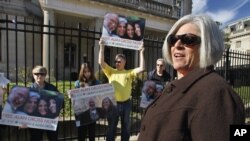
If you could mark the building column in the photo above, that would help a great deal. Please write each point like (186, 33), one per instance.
(48, 42)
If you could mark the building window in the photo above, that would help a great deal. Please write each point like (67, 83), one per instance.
(70, 55)
(178, 3)
(239, 26)
(238, 44)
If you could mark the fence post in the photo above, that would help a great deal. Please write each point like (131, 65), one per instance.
(227, 64)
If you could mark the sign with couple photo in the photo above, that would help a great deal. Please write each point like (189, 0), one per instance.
(92, 103)
(123, 31)
(32, 108)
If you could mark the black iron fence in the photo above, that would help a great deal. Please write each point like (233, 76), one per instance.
(235, 68)
(25, 43)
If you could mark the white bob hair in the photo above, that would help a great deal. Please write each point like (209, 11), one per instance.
(212, 42)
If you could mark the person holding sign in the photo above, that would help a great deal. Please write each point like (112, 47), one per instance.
(2, 91)
(121, 79)
(87, 78)
(39, 74)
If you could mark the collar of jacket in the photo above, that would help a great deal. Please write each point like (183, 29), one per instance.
(190, 79)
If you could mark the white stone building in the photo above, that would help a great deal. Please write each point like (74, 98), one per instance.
(238, 34)
(160, 15)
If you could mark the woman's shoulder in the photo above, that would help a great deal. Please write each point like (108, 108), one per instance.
(77, 83)
(49, 86)
(97, 82)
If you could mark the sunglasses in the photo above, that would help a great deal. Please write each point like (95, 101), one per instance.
(160, 65)
(187, 39)
(42, 74)
(118, 62)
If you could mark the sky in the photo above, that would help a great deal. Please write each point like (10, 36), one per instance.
(223, 11)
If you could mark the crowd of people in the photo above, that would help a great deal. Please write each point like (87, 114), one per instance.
(115, 25)
(197, 105)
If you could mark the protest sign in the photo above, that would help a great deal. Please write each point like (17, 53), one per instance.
(89, 103)
(123, 31)
(150, 91)
(32, 108)
(3, 84)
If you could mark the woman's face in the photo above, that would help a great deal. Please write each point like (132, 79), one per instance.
(121, 29)
(52, 106)
(105, 104)
(39, 77)
(42, 107)
(137, 30)
(31, 105)
(130, 31)
(87, 73)
(185, 57)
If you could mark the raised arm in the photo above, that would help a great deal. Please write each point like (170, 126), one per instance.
(141, 67)
(101, 61)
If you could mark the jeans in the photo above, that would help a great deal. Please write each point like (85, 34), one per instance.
(123, 109)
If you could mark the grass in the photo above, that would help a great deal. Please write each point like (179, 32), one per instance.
(244, 92)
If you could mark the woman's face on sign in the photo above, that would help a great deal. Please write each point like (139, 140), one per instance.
(42, 107)
(130, 31)
(106, 104)
(121, 29)
(52, 106)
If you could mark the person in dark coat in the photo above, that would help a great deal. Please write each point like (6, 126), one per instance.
(159, 75)
(199, 105)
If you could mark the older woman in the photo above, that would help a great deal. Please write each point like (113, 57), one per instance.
(199, 105)
(39, 75)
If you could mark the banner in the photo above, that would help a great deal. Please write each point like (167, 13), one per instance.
(123, 31)
(32, 108)
(92, 103)
(150, 91)
(3, 84)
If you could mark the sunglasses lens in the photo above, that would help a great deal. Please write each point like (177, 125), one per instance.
(159, 65)
(187, 39)
(190, 39)
(42, 74)
(172, 39)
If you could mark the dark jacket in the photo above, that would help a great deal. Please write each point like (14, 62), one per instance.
(86, 119)
(198, 107)
(152, 75)
(47, 86)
